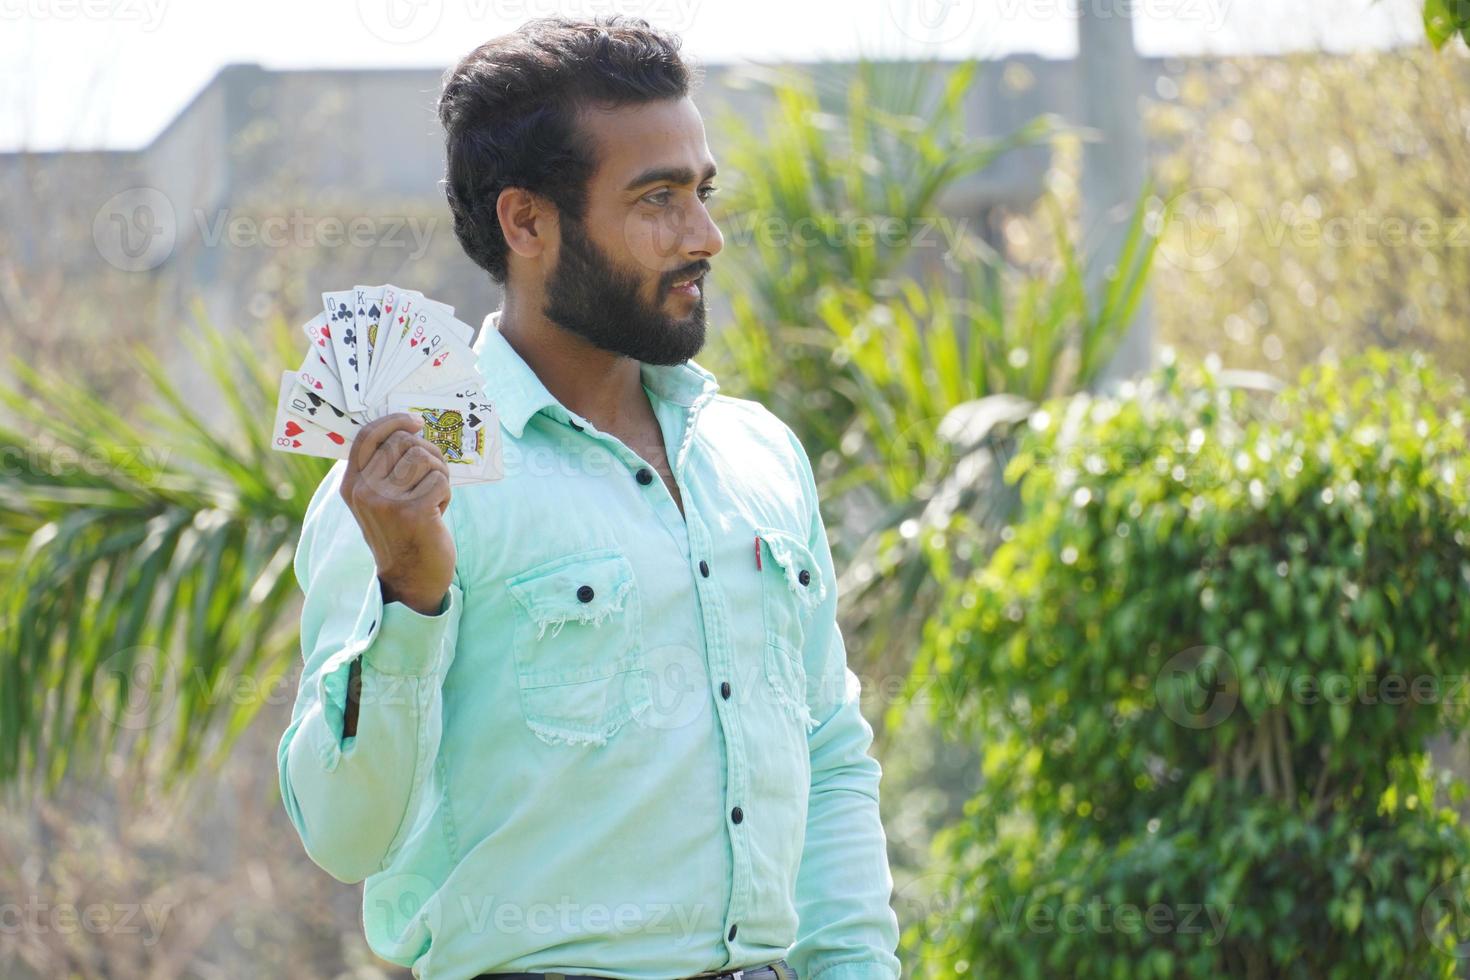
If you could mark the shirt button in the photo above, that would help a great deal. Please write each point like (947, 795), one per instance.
(804, 577)
(644, 475)
(732, 932)
(737, 815)
(725, 690)
(585, 593)
(704, 568)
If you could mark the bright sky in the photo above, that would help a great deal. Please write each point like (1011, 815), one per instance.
(112, 73)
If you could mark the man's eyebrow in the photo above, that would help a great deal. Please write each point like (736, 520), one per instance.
(671, 175)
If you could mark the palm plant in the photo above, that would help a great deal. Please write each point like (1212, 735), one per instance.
(146, 566)
(842, 150)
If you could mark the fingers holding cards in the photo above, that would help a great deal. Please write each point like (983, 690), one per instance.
(460, 432)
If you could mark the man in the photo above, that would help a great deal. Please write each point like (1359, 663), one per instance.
(594, 718)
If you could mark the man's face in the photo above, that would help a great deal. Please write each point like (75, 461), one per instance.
(630, 278)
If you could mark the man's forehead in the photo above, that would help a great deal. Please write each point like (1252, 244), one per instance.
(667, 135)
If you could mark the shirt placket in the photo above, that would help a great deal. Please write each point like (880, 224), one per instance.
(693, 534)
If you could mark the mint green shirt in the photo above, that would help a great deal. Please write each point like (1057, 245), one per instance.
(629, 743)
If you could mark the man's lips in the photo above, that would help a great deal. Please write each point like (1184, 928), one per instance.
(688, 287)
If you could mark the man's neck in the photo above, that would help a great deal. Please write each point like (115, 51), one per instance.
(605, 388)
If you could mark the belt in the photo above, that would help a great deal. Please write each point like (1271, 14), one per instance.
(779, 970)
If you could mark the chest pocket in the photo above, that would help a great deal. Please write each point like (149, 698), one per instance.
(579, 646)
(791, 587)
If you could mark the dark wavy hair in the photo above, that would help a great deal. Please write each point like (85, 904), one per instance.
(509, 111)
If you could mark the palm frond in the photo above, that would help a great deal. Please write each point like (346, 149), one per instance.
(147, 566)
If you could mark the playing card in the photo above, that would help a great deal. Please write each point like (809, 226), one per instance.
(428, 341)
(392, 327)
(367, 313)
(465, 435)
(381, 349)
(320, 334)
(453, 367)
(342, 330)
(316, 376)
(312, 407)
(293, 434)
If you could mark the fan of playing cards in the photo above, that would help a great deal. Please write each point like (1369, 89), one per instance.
(376, 350)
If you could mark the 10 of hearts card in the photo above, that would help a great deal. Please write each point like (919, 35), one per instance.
(376, 350)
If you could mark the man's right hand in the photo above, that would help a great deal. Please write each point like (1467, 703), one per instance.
(397, 486)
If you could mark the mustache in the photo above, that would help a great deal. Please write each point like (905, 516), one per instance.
(688, 272)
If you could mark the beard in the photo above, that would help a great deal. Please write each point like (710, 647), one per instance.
(590, 296)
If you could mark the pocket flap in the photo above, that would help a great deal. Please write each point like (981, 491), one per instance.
(586, 587)
(797, 561)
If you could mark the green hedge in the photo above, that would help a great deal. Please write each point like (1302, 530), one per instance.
(1203, 668)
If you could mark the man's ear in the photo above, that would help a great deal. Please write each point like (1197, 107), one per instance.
(526, 220)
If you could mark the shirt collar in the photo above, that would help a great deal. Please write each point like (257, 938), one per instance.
(517, 393)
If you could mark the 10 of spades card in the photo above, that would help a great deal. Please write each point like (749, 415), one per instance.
(375, 350)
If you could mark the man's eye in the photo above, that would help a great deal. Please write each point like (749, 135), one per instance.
(661, 198)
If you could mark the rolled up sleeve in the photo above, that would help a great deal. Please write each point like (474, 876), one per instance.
(353, 798)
